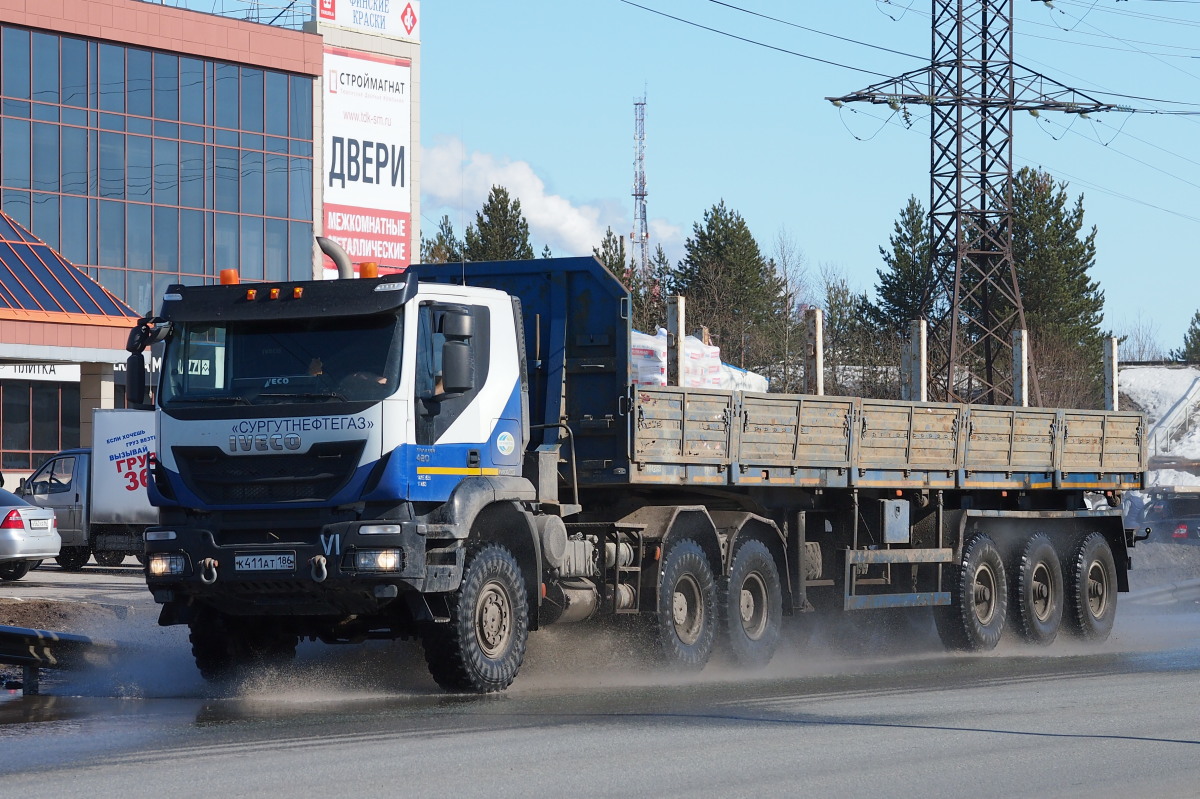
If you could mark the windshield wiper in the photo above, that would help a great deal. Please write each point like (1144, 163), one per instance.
(329, 395)
(235, 399)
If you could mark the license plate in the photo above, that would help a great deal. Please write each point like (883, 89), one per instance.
(39, 524)
(275, 562)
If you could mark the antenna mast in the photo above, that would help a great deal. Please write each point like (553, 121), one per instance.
(640, 237)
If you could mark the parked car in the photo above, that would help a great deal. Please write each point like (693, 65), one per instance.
(28, 535)
(1172, 514)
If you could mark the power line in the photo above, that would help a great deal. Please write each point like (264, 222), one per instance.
(814, 30)
(752, 41)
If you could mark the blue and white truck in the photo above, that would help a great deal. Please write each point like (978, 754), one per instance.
(458, 454)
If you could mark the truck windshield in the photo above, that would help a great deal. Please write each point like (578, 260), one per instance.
(282, 361)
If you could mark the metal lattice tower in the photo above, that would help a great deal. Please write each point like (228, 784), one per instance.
(972, 86)
(639, 239)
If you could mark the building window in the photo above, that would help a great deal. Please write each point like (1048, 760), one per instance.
(38, 419)
(140, 149)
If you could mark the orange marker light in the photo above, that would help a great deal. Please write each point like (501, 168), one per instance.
(251, 294)
(297, 292)
(274, 294)
(229, 277)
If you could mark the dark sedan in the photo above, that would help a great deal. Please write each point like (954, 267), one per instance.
(1173, 516)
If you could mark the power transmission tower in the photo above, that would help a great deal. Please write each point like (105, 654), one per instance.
(972, 86)
(640, 237)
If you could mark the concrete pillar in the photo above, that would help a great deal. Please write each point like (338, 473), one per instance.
(676, 327)
(1111, 399)
(914, 364)
(1020, 366)
(814, 351)
(95, 391)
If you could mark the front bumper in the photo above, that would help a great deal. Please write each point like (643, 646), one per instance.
(300, 574)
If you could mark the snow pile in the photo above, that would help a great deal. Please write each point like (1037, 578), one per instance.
(1155, 389)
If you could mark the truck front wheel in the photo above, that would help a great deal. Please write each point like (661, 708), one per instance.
(224, 647)
(481, 648)
(73, 559)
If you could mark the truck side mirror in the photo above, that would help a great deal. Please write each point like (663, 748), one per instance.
(458, 372)
(135, 380)
(457, 326)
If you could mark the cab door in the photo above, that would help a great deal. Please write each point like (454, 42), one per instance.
(59, 484)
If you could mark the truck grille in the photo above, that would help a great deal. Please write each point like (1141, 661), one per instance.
(222, 479)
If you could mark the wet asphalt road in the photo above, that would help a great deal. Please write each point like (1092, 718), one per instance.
(1121, 719)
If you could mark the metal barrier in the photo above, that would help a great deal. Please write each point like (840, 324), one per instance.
(43, 649)
(1176, 422)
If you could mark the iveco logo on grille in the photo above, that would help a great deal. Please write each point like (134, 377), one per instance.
(264, 442)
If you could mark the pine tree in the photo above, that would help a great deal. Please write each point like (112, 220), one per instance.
(443, 248)
(546, 251)
(1190, 351)
(648, 292)
(730, 287)
(1063, 305)
(611, 253)
(908, 287)
(500, 232)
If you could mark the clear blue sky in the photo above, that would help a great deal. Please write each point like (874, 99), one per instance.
(538, 96)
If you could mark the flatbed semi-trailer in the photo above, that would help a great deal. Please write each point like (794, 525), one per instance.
(459, 454)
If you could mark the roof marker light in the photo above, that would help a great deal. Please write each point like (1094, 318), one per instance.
(274, 293)
(251, 294)
(297, 292)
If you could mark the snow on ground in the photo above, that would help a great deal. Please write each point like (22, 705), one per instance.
(1156, 388)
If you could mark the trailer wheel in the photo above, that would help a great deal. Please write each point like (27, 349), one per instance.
(15, 570)
(482, 647)
(974, 619)
(109, 559)
(753, 605)
(1037, 595)
(1091, 578)
(72, 559)
(225, 647)
(686, 622)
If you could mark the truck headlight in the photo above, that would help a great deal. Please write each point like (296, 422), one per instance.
(379, 560)
(163, 564)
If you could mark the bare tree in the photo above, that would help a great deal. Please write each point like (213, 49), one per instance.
(1140, 341)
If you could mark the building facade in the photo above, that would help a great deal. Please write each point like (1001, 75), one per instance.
(151, 144)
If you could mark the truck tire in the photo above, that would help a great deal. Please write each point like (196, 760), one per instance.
(481, 649)
(73, 559)
(15, 569)
(109, 559)
(974, 619)
(686, 623)
(225, 647)
(753, 605)
(1037, 591)
(1091, 580)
